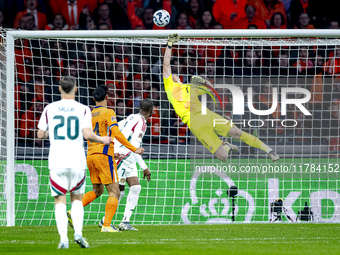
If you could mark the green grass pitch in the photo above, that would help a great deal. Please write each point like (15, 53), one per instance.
(181, 239)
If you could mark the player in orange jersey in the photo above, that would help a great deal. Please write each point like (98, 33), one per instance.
(100, 158)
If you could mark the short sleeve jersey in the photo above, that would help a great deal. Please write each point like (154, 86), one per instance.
(133, 128)
(65, 120)
(103, 120)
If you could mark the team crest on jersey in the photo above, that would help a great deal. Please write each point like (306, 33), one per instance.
(122, 180)
(140, 135)
(113, 118)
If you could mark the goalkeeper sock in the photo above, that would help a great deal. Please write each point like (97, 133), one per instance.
(131, 202)
(110, 210)
(254, 142)
(77, 215)
(89, 197)
(122, 193)
(61, 219)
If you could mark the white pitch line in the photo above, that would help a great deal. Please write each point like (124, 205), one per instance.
(209, 240)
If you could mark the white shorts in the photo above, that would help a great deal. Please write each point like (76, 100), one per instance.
(126, 168)
(63, 180)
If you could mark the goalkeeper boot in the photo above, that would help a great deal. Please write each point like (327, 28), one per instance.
(63, 245)
(125, 226)
(101, 223)
(70, 222)
(233, 147)
(109, 229)
(273, 156)
(81, 241)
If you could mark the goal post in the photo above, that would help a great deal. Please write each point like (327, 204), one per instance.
(10, 143)
(189, 185)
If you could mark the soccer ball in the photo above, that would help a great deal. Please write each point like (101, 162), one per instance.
(161, 18)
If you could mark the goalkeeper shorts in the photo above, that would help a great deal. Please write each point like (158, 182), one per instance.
(103, 169)
(66, 179)
(207, 127)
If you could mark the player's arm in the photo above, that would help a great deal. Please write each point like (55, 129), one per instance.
(201, 84)
(136, 140)
(198, 81)
(119, 156)
(43, 125)
(174, 38)
(42, 134)
(122, 139)
(141, 163)
(91, 136)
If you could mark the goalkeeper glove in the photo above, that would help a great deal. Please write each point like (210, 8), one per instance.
(198, 81)
(174, 38)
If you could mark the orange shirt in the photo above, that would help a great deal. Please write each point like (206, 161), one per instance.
(303, 64)
(62, 7)
(42, 20)
(262, 12)
(211, 52)
(22, 59)
(136, 21)
(28, 124)
(104, 123)
(155, 121)
(243, 23)
(332, 66)
(317, 89)
(310, 26)
(223, 9)
(119, 87)
(39, 89)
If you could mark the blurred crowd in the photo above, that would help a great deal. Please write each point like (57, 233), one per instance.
(185, 14)
(132, 71)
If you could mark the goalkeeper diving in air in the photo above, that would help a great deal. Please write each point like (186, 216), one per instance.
(185, 101)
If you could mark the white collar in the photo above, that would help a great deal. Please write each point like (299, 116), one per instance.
(142, 116)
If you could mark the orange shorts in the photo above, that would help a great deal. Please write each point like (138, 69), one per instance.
(103, 169)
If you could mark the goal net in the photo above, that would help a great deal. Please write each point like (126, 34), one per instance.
(282, 87)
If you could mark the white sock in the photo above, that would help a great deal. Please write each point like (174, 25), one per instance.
(122, 193)
(62, 221)
(77, 215)
(131, 202)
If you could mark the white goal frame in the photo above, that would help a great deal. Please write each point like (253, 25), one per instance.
(10, 80)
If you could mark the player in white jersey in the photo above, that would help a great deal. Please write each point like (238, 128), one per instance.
(67, 123)
(133, 128)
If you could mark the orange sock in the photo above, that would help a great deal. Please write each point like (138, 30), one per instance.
(88, 197)
(110, 210)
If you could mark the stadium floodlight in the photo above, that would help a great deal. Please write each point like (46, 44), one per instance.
(187, 181)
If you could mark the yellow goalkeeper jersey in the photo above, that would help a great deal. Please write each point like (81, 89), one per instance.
(183, 98)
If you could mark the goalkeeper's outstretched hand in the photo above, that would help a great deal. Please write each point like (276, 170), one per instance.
(174, 38)
(198, 81)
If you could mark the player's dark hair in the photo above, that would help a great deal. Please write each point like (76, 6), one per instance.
(146, 105)
(67, 83)
(99, 93)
